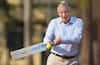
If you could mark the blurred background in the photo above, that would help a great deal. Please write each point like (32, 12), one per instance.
(23, 23)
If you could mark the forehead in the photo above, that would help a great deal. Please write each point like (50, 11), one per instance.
(62, 7)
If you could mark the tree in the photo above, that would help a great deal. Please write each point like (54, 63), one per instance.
(84, 9)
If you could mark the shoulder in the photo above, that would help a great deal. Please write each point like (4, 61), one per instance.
(77, 20)
(54, 20)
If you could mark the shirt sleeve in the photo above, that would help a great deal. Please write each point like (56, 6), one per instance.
(49, 32)
(78, 32)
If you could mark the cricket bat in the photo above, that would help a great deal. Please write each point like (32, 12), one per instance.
(24, 52)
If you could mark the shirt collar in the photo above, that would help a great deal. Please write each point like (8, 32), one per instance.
(69, 23)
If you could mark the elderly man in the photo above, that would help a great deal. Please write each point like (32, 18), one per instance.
(65, 32)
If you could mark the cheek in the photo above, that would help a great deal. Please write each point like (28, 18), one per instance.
(59, 14)
(64, 14)
(68, 14)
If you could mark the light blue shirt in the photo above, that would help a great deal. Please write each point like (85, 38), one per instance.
(70, 34)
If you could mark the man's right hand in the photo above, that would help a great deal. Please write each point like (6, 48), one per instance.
(57, 41)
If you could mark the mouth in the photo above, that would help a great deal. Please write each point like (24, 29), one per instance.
(65, 18)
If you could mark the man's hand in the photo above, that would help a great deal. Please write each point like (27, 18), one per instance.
(57, 41)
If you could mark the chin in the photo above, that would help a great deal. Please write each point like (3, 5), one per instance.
(64, 20)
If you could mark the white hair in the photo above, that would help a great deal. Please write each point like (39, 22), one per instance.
(63, 3)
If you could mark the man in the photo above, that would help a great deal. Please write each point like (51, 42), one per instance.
(65, 32)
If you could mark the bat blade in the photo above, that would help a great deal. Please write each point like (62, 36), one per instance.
(24, 52)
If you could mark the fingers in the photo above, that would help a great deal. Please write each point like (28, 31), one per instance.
(57, 41)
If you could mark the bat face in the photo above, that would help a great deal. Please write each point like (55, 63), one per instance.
(21, 53)
(24, 52)
(39, 48)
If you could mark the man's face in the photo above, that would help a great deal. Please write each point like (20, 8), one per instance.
(64, 13)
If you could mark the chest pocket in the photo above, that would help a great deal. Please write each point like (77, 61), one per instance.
(65, 32)
(68, 32)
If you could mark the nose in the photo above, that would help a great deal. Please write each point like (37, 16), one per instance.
(64, 14)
